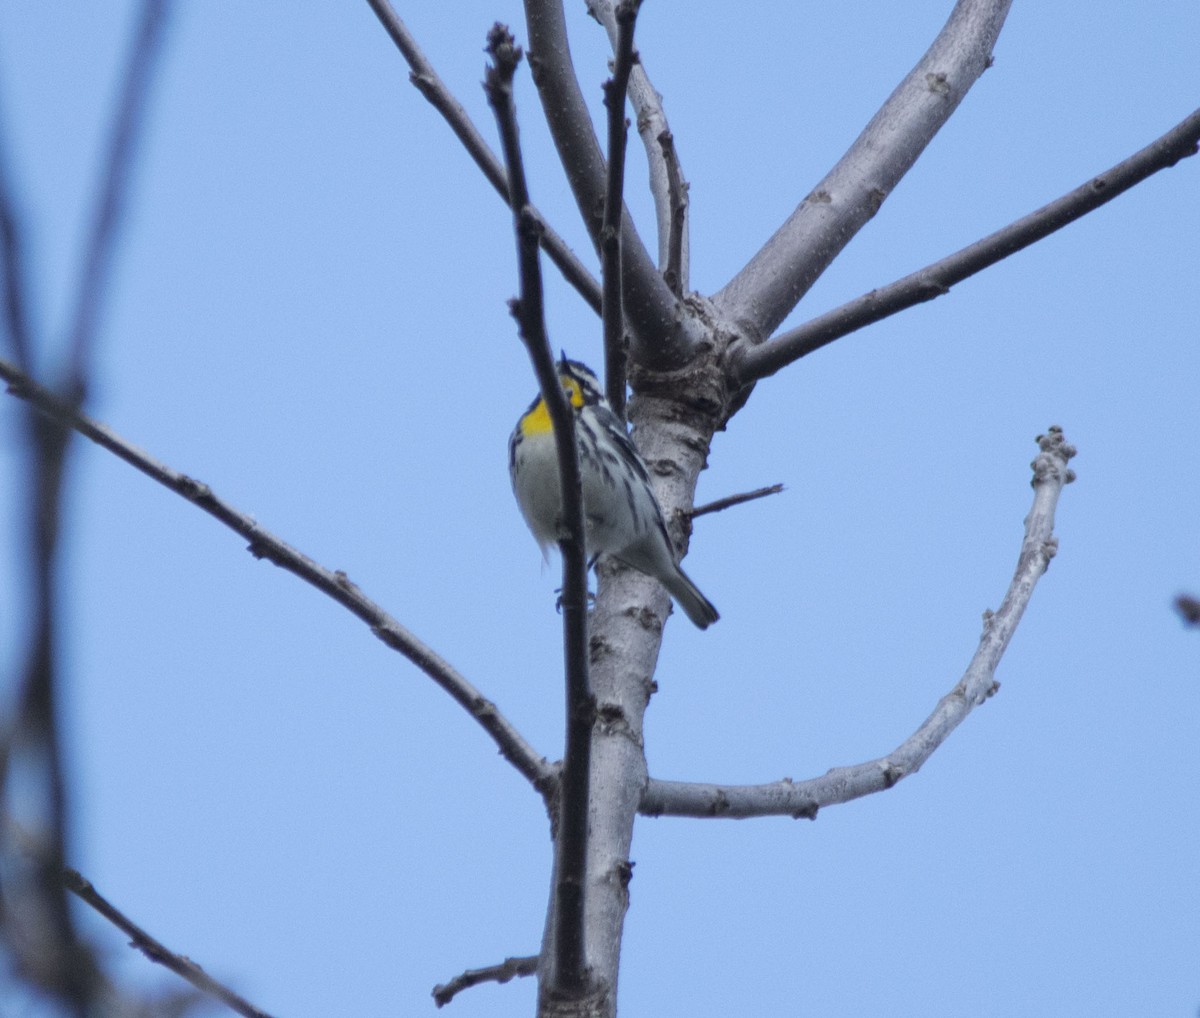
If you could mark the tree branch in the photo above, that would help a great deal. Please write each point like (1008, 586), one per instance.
(936, 279)
(569, 974)
(610, 233)
(508, 969)
(729, 501)
(109, 205)
(14, 320)
(35, 918)
(759, 297)
(665, 171)
(662, 336)
(336, 585)
(431, 86)
(842, 784)
(675, 268)
(153, 949)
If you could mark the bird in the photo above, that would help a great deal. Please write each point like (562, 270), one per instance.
(621, 514)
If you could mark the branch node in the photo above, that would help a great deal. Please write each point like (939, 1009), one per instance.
(505, 54)
(1051, 462)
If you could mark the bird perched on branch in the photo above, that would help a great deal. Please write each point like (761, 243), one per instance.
(621, 514)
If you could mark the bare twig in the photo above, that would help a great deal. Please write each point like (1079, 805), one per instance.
(263, 544)
(569, 972)
(936, 279)
(661, 335)
(804, 798)
(675, 268)
(109, 206)
(508, 969)
(731, 500)
(155, 950)
(610, 233)
(651, 125)
(763, 293)
(431, 86)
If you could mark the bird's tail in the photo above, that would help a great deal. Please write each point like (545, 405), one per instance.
(687, 595)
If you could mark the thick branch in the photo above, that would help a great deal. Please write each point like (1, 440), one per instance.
(569, 973)
(804, 798)
(662, 336)
(157, 952)
(610, 234)
(760, 296)
(336, 585)
(508, 969)
(431, 86)
(936, 279)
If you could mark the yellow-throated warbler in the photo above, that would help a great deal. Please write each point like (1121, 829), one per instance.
(621, 514)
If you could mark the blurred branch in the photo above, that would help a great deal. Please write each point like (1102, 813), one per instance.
(842, 784)
(610, 233)
(508, 969)
(156, 951)
(763, 293)
(336, 585)
(569, 973)
(936, 279)
(664, 166)
(15, 321)
(35, 917)
(731, 500)
(1188, 608)
(127, 128)
(431, 86)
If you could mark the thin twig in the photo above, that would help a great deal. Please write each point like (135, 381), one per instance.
(610, 232)
(731, 500)
(651, 125)
(675, 272)
(842, 784)
(936, 279)
(570, 973)
(263, 544)
(155, 950)
(126, 133)
(508, 969)
(431, 86)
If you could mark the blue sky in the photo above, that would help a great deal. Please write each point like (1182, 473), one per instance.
(308, 313)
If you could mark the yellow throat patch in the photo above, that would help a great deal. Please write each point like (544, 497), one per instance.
(537, 420)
